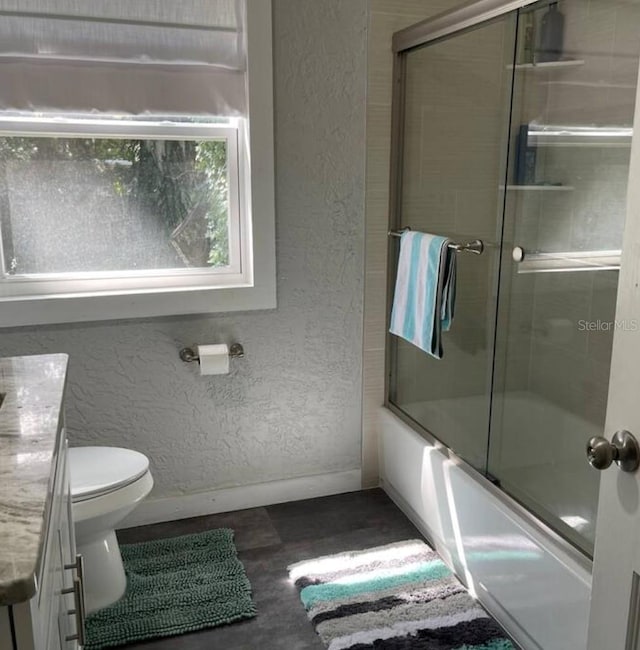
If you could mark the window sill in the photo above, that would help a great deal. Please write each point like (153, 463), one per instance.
(15, 312)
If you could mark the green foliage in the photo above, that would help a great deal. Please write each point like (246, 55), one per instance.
(211, 160)
(183, 183)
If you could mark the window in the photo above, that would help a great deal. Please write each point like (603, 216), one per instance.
(136, 160)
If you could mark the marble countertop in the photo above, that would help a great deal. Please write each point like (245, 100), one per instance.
(30, 414)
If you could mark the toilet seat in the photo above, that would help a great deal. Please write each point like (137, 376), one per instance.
(98, 471)
(109, 506)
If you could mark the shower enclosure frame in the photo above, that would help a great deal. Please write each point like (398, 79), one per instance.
(511, 553)
(404, 41)
(427, 31)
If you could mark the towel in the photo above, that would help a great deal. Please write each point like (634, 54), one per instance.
(424, 299)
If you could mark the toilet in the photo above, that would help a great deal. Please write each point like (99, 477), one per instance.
(107, 483)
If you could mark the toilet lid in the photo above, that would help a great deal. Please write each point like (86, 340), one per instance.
(98, 470)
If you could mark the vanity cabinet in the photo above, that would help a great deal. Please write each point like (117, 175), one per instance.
(43, 608)
(48, 620)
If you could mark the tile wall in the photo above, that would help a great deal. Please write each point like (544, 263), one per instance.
(386, 17)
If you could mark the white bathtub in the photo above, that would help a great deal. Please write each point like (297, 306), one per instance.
(532, 582)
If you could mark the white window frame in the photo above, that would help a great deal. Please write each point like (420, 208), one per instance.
(249, 281)
(120, 282)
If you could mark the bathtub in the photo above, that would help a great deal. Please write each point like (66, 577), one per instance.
(534, 583)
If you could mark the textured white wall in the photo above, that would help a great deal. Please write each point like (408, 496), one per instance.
(292, 406)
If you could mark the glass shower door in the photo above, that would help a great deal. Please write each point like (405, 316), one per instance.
(565, 208)
(453, 164)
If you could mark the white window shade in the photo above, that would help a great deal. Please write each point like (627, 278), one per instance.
(123, 57)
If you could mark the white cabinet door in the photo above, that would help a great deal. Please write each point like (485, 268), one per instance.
(66, 620)
(615, 604)
(45, 622)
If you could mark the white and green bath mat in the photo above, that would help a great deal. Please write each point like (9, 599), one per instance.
(396, 597)
(175, 585)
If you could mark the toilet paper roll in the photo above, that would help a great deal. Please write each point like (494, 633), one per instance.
(214, 359)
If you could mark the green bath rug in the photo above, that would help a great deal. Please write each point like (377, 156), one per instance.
(175, 585)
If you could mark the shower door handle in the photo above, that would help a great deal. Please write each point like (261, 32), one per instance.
(518, 254)
(623, 449)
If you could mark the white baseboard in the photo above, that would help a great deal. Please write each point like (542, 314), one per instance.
(153, 511)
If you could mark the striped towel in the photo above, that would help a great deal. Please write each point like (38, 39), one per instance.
(393, 597)
(424, 298)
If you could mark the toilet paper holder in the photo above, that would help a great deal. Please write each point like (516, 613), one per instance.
(188, 355)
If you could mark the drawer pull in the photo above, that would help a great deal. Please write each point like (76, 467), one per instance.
(78, 597)
(79, 613)
(77, 565)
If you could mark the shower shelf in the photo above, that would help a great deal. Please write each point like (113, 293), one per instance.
(539, 188)
(600, 85)
(551, 135)
(569, 261)
(547, 66)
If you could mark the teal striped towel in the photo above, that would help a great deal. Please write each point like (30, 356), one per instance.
(423, 303)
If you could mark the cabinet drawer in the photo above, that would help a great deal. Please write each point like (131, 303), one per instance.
(58, 494)
(50, 564)
(49, 606)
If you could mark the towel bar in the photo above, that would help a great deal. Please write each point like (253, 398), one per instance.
(476, 246)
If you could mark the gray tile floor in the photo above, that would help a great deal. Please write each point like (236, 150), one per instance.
(268, 540)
